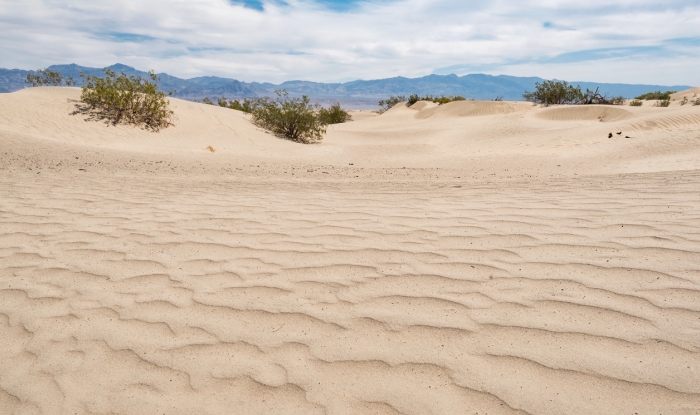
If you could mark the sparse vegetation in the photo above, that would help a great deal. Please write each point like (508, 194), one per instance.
(636, 103)
(657, 95)
(684, 100)
(334, 115)
(295, 119)
(247, 105)
(122, 99)
(561, 92)
(47, 77)
(498, 98)
(662, 103)
(695, 102)
(389, 103)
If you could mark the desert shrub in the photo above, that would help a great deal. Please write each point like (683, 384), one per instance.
(561, 92)
(498, 98)
(636, 103)
(696, 101)
(618, 100)
(334, 115)
(122, 99)
(293, 118)
(684, 101)
(389, 103)
(445, 99)
(207, 101)
(657, 95)
(413, 99)
(663, 103)
(554, 93)
(47, 77)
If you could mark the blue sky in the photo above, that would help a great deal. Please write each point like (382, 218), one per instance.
(632, 41)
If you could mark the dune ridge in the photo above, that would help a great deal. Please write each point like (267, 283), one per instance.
(498, 262)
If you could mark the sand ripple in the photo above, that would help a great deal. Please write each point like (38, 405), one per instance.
(182, 297)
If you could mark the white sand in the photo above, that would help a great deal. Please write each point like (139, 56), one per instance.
(472, 258)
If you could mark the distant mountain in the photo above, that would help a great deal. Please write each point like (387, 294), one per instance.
(356, 93)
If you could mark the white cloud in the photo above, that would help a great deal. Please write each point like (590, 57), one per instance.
(373, 39)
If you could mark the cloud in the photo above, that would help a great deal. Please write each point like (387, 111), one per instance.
(340, 40)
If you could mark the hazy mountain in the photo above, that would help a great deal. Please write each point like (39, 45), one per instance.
(356, 93)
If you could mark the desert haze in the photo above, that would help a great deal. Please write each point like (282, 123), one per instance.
(470, 258)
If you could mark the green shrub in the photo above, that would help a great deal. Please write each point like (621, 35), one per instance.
(47, 77)
(636, 103)
(334, 115)
(122, 99)
(663, 103)
(444, 99)
(561, 92)
(293, 118)
(413, 99)
(554, 93)
(207, 101)
(657, 95)
(684, 101)
(389, 103)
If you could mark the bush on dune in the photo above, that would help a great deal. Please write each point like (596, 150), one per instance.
(295, 119)
(663, 103)
(122, 99)
(636, 103)
(562, 93)
(47, 77)
(334, 115)
(657, 95)
(386, 104)
(389, 103)
(246, 105)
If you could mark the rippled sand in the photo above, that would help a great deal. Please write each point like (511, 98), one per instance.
(556, 276)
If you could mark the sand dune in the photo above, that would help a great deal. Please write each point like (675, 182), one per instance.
(475, 257)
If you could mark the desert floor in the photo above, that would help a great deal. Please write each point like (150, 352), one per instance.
(473, 258)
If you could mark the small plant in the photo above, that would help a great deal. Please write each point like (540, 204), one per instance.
(295, 119)
(47, 77)
(413, 99)
(618, 100)
(445, 99)
(663, 103)
(207, 101)
(498, 98)
(334, 115)
(636, 103)
(684, 100)
(657, 95)
(389, 103)
(696, 102)
(122, 99)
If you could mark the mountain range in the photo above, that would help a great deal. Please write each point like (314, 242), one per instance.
(354, 94)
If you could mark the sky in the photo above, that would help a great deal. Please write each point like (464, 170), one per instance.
(621, 41)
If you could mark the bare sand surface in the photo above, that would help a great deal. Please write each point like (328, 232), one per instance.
(471, 258)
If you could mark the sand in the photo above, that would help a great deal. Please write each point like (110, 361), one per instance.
(471, 258)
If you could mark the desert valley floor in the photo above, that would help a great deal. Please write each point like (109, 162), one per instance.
(471, 258)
